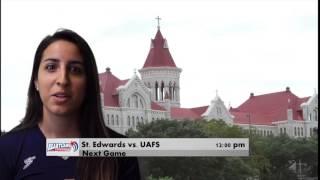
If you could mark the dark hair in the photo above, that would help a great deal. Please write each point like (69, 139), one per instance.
(91, 123)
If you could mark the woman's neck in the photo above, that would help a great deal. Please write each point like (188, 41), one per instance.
(57, 126)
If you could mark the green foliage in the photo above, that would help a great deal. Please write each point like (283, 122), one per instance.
(159, 178)
(270, 157)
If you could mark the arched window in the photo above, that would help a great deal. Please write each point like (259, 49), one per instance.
(108, 120)
(135, 101)
(156, 91)
(170, 90)
(133, 121)
(174, 91)
(301, 131)
(162, 91)
(112, 120)
(128, 102)
(295, 131)
(117, 119)
(298, 131)
(280, 130)
(141, 104)
(128, 120)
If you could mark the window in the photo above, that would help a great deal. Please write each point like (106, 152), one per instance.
(135, 99)
(156, 91)
(117, 117)
(298, 131)
(108, 121)
(112, 120)
(310, 131)
(295, 131)
(170, 90)
(128, 102)
(162, 91)
(133, 123)
(128, 120)
(174, 93)
(301, 131)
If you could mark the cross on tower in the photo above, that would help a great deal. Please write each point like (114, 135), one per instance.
(158, 19)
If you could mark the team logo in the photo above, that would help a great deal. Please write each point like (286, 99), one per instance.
(72, 146)
(28, 161)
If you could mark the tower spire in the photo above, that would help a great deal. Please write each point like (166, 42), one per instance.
(158, 19)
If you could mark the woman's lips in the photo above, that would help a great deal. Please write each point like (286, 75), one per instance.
(61, 98)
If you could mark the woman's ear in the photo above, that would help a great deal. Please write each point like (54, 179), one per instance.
(36, 84)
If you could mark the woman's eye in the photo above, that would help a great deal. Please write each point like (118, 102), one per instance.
(76, 70)
(50, 67)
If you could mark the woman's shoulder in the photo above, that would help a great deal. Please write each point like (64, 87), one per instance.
(11, 142)
(12, 137)
(11, 145)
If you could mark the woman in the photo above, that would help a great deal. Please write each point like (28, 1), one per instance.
(63, 102)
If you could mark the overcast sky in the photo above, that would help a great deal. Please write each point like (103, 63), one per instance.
(235, 47)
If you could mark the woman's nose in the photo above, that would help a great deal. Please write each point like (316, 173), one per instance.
(63, 79)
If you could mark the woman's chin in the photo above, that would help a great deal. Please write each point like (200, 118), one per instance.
(62, 111)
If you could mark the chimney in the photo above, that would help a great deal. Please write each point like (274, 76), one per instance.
(108, 70)
(287, 89)
(251, 95)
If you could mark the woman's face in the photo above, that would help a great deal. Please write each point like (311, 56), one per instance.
(61, 79)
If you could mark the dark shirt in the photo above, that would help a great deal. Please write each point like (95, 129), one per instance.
(23, 156)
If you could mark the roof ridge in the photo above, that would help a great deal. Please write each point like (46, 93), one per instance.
(159, 54)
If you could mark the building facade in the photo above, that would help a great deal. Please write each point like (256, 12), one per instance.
(278, 113)
(156, 95)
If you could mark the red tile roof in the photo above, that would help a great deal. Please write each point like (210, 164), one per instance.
(187, 113)
(156, 106)
(159, 56)
(267, 108)
(108, 86)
